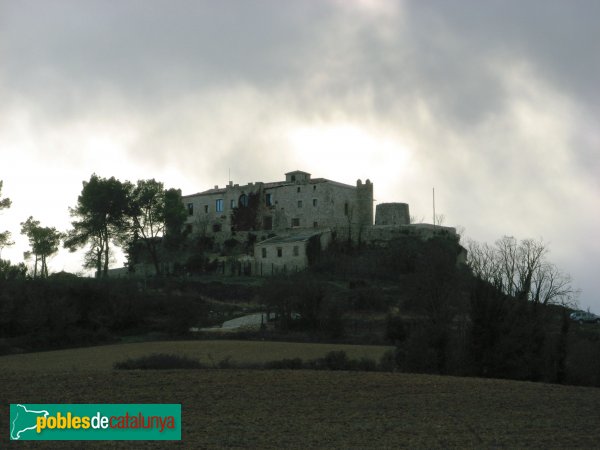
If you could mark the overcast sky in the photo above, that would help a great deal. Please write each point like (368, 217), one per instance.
(495, 103)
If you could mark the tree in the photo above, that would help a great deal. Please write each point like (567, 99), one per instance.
(155, 219)
(175, 216)
(146, 215)
(439, 219)
(438, 288)
(5, 235)
(245, 216)
(521, 270)
(100, 219)
(4, 202)
(44, 242)
(5, 240)
(12, 272)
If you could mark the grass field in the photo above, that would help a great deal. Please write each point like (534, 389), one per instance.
(309, 409)
(208, 352)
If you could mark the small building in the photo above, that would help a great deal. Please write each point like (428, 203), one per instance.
(290, 253)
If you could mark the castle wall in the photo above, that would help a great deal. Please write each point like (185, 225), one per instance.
(385, 233)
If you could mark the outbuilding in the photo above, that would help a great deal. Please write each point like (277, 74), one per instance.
(290, 253)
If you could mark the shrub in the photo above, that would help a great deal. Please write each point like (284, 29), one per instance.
(290, 364)
(336, 360)
(395, 330)
(364, 364)
(226, 363)
(370, 299)
(158, 361)
(387, 362)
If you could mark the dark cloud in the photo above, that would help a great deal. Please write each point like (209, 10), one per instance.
(152, 48)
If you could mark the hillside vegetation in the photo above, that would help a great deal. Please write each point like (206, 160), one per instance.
(409, 294)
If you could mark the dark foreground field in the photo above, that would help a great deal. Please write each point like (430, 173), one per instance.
(300, 409)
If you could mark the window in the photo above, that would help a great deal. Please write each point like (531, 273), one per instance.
(232, 205)
(206, 209)
(243, 200)
(293, 177)
(315, 202)
(299, 203)
(267, 223)
(314, 187)
(264, 252)
(298, 189)
(295, 222)
(188, 228)
(279, 252)
(315, 224)
(296, 250)
(346, 208)
(268, 199)
(216, 227)
(219, 205)
(190, 207)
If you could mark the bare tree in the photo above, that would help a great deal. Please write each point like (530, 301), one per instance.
(482, 260)
(550, 285)
(416, 219)
(521, 270)
(530, 258)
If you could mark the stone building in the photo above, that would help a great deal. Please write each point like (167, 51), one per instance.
(299, 202)
(290, 253)
(291, 221)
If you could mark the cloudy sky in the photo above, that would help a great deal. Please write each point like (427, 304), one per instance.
(495, 103)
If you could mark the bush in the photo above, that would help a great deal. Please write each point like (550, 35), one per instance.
(387, 362)
(395, 330)
(158, 361)
(370, 299)
(336, 360)
(289, 364)
(364, 364)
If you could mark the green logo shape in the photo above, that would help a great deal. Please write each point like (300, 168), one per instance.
(95, 422)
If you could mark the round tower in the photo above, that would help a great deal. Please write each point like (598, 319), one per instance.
(392, 214)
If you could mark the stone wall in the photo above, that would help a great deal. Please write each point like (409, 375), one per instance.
(384, 233)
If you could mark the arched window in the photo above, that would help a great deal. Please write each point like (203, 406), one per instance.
(243, 200)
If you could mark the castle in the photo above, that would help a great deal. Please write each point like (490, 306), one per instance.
(266, 228)
(299, 202)
(295, 217)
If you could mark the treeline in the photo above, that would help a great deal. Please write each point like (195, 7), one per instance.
(142, 215)
(65, 311)
(441, 317)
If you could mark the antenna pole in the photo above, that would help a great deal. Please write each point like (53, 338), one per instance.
(433, 207)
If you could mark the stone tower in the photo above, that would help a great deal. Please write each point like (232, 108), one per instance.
(364, 204)
(392, 214)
